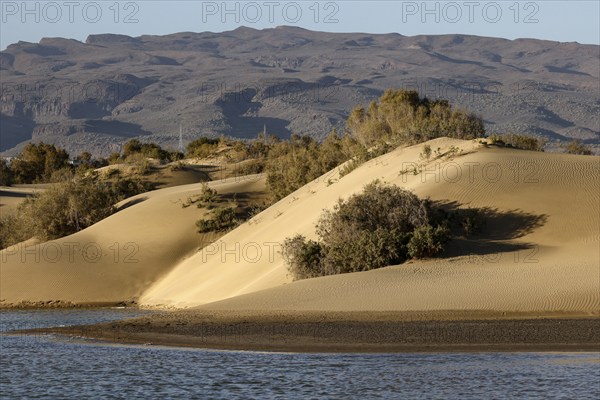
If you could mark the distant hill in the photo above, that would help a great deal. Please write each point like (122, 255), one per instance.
(98, 94)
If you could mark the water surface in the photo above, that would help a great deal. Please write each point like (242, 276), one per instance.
(50, 367)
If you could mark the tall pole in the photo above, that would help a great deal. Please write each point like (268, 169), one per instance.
(181, 148)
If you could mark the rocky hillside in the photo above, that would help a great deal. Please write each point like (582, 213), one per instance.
(98, 94)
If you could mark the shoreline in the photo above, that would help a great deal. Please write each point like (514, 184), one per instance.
(349, 332)
(62, 305)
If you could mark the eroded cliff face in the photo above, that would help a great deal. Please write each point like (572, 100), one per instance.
(98, 94)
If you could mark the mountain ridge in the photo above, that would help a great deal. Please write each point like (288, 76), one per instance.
(97, 94)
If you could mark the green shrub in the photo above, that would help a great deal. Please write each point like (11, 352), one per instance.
(384, 225)
(114, 158)
(426, 153)
(304, 258)
(37, 163)
(143, 167)
(6, 175)
(208, 195)
(222, 219)
(66, 208)
(522, 142)
(146, 150)
(402, 117)
(294, 163)
(202, 147)
(576, 147)
(427, 241)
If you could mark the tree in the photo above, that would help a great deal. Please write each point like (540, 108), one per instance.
(133, 146)
(6, 175)
(37, 163)
(202, 147)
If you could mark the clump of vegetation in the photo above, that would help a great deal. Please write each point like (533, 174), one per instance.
(135, 152)
(208, 196)
(472, 221)
(576, 147)
(6, 174)
(399, 117)
(515, 141)
(294, 163)
(221, 219)
(402, 117)
(37, 162)
(150, 150)
(384, 225)
(202, 148)
(65, 208)
(426, 153)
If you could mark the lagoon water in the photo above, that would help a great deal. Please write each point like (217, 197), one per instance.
(51, 367)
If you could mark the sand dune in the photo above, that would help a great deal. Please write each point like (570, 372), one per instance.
(118, 258)
(11, 197)
(540, 253)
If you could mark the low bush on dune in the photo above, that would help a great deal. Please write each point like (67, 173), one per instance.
(576, 147)
(383, 225)
(523, 142)
(402, 117)
(66, 208)
(202, 148)
(294, 163)
(221, 219)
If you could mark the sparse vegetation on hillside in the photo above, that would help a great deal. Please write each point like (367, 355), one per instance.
(515, 141)
(576, 147)
(384, 225)
(402, 117)
(149, 150)
(6, 174)
(65, 208)
(37, 162)
(294, 163)
(221, 219)
(399, 117)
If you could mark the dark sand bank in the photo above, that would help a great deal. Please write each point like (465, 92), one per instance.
(351, 332)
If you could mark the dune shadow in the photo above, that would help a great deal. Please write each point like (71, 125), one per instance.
(20, 195)
(486, 230)
(458, 247)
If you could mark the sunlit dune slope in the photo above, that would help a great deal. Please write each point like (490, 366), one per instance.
(118, 258)
(538, 252)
